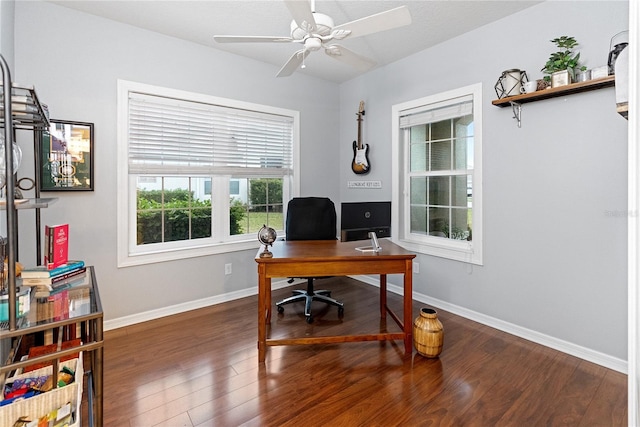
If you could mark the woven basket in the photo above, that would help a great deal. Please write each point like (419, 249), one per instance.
(38, 406)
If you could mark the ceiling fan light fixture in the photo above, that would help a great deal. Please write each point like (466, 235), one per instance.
(312, 44)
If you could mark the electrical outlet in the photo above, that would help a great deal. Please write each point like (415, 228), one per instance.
(227, 269)
(416, 267)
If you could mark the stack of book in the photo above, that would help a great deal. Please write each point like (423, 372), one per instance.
(45, 281)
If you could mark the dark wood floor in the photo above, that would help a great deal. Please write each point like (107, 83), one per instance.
(200, 369)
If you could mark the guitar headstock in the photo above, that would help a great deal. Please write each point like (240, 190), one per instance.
(361, 109)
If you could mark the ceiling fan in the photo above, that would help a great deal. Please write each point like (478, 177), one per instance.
(315, 30)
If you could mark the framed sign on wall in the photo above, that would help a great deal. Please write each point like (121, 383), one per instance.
(66, 157)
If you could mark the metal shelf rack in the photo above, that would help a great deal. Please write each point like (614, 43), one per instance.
(23, 110)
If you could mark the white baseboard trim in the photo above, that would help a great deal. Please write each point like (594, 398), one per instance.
(528, 334)
(584, 353)
(133, 319)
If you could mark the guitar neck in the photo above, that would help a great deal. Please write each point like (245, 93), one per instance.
(360, 113)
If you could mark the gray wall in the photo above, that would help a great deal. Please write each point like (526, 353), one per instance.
(554, 190)
(74, 59)
(6, 30)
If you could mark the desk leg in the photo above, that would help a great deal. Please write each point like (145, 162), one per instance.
(408, 307)
(383, 296)
(263, 311)
(267, 300)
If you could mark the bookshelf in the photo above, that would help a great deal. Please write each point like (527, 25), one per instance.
(21, 109)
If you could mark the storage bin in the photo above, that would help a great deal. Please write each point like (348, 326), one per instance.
(38, 406)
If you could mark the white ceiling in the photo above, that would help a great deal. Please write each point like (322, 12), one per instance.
(432, 22)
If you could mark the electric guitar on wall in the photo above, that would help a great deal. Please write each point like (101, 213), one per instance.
(360, 163)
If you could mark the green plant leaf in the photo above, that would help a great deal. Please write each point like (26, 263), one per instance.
(563, 59)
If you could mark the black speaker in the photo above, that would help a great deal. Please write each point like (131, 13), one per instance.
(363, 233)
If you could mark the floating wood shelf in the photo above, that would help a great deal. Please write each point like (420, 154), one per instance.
(556, 91)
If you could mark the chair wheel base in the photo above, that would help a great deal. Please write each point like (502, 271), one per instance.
(308, 296)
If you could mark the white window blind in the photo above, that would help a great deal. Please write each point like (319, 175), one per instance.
(172, 136)
(449, 109)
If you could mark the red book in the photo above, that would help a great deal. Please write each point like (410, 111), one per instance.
(60, 305)
(57, 245)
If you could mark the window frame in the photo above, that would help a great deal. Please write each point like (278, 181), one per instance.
(459, 250)
(129, 253)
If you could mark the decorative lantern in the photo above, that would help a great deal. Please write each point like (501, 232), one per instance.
(510, 83)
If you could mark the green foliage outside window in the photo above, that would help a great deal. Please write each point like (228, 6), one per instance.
(180, 207)
(236, 216)
(264, 206)
(265, 191)
(178, 211)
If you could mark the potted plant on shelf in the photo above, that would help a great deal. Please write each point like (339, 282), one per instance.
(561, 66)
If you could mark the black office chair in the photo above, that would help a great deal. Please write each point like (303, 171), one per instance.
(310, 218)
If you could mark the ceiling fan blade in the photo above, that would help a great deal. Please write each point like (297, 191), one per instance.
(303, 15)
(349, 57)
(382, 21)
(251, 39)
(293, 63)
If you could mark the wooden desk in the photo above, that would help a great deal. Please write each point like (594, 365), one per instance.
(334, 258)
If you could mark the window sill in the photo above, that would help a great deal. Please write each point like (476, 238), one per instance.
(453, 252)
(178, 254)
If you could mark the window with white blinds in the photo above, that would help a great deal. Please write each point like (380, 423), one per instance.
(174, 136)
(437, 167)
(198, 174)
(436, 112)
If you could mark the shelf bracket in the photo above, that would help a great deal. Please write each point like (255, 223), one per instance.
(517, 112)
